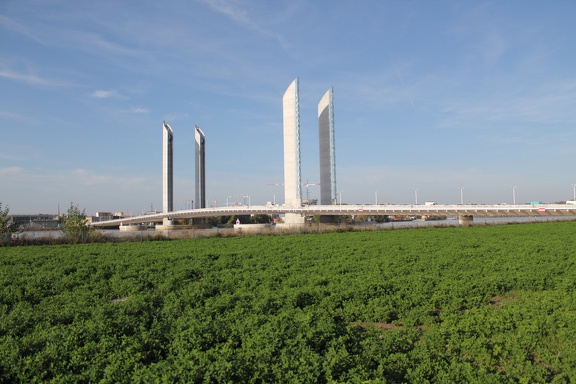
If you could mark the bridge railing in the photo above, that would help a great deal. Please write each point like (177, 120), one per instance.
(501, 210)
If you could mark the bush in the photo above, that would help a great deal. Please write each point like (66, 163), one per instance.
(76, 227)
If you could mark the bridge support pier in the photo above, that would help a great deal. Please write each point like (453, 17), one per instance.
(131, 227)
(166, 225)
(465, 220)
(294, 219)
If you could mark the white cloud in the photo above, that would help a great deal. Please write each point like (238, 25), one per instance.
(104, 93)
(139, 110)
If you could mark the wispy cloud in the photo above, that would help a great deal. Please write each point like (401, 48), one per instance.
(30, 78)
(14, 26)
(93, 41)
(231, 10)
(139, 110)
(65, 34)
(105, 94)
(237, 12)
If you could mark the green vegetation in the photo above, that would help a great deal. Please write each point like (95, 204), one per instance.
(75, 225)
(7, 226)
(480, 304)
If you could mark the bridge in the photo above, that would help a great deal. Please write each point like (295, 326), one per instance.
(465, 212)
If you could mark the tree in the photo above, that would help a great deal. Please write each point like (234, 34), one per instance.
(76, 226)
(7, 225)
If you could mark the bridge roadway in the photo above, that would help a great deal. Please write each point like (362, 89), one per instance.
(501, 210)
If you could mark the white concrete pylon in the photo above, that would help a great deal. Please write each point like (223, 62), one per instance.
(292, 178)
(167, 168)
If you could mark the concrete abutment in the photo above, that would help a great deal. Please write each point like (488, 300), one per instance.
(466, 220)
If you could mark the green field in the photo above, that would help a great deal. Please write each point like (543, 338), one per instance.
(480, 304)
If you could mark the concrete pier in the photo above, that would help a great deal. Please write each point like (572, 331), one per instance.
(132, 228)
(466, 220)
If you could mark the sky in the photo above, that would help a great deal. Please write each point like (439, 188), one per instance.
(444, 101)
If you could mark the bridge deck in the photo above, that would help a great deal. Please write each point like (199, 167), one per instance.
(502, 210)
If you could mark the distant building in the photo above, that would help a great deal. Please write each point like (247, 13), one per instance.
(39, 221)
(105, 216)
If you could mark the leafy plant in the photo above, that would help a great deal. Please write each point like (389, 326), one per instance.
(76, 227)
(7, 225)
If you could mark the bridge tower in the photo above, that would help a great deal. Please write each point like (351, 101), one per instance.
(200, 168)
(327, 149)
(167, 168)
(292, 178)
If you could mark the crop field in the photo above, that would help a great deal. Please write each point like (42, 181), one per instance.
(479, 304)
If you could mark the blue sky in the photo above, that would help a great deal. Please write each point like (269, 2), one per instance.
(433, 95)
